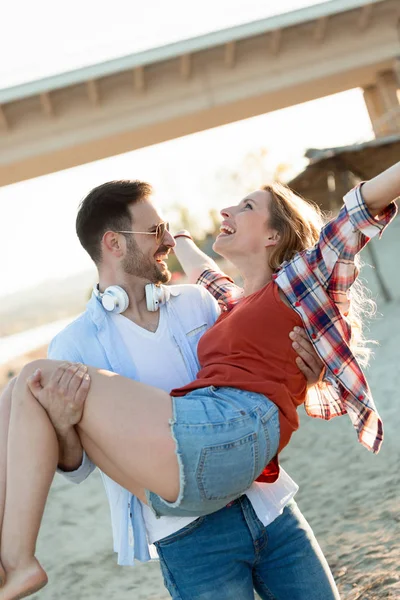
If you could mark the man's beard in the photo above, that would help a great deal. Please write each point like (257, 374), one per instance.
(136, 263)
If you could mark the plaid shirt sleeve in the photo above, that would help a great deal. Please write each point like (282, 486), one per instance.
(222, 287)
(317, 282)
(333, 258)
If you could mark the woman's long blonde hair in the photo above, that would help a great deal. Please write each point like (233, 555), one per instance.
(299, 223)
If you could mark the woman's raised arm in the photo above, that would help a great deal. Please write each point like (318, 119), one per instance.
(382, 190)
(193, 260)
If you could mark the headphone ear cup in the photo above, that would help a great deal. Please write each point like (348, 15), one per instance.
(150, 291)
(115, 299)
(155, 295)
(123, 300)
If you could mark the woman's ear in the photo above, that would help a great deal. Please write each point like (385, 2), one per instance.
(273, 239)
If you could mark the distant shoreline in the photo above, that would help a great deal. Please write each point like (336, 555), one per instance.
(12, 367)
(18, 344)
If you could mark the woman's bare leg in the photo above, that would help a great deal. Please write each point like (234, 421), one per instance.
(31, 462)
(5, 409)
(127, 420)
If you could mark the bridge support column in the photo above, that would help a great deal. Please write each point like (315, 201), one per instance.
(382, 101)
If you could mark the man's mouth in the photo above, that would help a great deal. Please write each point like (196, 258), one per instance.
(161, 257)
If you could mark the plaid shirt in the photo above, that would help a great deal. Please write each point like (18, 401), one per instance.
(316, 283)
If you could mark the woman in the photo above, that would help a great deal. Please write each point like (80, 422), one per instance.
(229, 425)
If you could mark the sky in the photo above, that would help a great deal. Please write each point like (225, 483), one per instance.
(46, 37)
(38, 239)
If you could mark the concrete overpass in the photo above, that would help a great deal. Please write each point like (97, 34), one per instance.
(163, 93)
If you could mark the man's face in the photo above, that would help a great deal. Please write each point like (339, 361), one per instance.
(145, 255)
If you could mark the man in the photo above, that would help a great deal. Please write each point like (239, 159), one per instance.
(261, 540)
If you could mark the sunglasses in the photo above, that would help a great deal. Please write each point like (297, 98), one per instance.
(159, 232)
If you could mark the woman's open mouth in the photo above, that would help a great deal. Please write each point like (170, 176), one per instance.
(226, 230)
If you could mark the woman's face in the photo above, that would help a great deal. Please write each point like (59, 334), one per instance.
(245, 227)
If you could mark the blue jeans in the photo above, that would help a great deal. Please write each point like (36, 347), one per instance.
(230, 553)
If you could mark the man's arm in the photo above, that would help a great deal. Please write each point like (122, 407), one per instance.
(64, 412)
(65, 408)
(70, 450)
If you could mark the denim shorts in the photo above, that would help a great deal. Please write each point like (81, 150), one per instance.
(224, 439)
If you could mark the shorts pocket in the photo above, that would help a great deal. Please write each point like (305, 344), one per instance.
(270, 423)
(227, 470)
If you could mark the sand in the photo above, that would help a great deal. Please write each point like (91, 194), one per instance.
(350, 497)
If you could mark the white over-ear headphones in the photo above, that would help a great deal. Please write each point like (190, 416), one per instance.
(115, 299)
(156, 295)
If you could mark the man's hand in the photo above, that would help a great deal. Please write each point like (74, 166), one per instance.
(64, 395)
(308, 360)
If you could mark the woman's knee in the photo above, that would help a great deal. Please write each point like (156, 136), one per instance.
(31, 367)
(27, 371)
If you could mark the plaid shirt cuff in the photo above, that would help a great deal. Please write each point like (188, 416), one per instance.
(360, 216)
(209, 276)
(222, 287)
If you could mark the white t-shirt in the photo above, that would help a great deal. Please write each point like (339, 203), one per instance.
(158, 362)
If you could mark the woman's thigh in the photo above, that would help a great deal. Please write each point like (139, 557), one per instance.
(128, 422)
(292, 565)
(120, 476)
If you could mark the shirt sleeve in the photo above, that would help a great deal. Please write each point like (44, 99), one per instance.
(81, 473)
(61, 348)
(222, 287)
(361, 218)
(325, 399)
(332, 259)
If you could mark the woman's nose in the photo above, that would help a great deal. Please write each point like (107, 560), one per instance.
(226, 212)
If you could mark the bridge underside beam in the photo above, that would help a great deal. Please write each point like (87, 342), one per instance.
(102, 117)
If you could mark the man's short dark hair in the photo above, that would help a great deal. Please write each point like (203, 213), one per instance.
(105, 208)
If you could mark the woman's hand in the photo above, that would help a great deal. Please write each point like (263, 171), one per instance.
(308, 360)
(63, 397)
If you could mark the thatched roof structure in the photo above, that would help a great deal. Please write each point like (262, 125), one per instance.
(333, 171)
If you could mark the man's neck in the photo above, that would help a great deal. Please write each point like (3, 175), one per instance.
(137, 309)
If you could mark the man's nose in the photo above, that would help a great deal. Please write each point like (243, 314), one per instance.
(168, 240)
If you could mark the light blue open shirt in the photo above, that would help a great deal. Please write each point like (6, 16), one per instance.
(94, 340)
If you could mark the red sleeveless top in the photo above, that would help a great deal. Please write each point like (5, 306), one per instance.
(249, 348)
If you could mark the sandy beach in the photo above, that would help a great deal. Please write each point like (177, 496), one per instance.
(350, 497)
